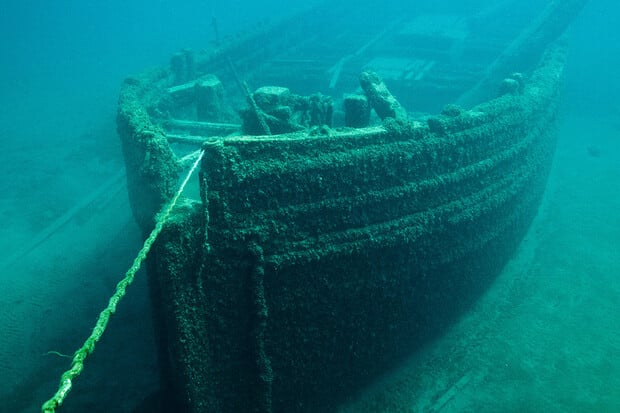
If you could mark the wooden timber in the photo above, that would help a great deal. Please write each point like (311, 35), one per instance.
(308, 263)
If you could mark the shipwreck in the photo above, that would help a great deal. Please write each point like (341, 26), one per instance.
(348, 206)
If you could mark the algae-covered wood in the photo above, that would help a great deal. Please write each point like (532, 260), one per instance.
(316, 260)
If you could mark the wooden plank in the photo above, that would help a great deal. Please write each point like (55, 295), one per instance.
(200, 128)
(186, 139)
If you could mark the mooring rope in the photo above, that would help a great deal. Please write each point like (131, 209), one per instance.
(77, 364)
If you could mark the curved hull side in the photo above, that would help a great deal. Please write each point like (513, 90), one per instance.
(315, 263)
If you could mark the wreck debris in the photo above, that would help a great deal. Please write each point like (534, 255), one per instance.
(512, 84)
(183, 66)
(209, 94)
(284, 112)
(255, 114)
(380, 98)
(356, 111)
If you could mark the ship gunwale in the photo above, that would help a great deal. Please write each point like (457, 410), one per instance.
(305, 242)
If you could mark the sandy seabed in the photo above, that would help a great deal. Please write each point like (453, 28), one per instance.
(68, 240)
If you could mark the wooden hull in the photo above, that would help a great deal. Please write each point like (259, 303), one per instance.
(315, 262)
(306, 264)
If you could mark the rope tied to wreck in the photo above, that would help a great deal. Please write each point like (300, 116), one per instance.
(77, 363)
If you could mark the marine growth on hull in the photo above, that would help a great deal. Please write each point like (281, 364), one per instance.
(356, 192)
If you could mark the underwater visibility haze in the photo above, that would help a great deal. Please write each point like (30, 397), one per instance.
(347, 206)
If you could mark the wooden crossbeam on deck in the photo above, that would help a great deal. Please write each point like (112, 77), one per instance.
(200, 128)
(195, 140)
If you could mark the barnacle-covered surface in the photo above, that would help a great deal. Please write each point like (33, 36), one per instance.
(316, 260)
